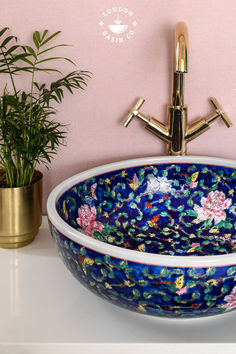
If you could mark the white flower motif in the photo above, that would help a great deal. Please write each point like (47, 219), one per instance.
(159, 185)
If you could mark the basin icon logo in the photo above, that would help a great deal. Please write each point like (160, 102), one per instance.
(118, 24)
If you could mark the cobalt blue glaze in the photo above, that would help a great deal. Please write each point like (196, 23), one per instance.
(154, 290)
(172, 209)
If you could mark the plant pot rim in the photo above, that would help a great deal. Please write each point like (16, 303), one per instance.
(39, 178)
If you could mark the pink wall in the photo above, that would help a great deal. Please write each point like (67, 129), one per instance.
(141, 66)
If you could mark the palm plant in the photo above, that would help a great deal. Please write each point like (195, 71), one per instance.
(28, 134)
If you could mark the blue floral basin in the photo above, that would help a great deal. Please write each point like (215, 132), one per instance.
(153, 235)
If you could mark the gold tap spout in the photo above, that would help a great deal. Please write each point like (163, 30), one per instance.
(181, 48)
(180, 63)
(177, 111)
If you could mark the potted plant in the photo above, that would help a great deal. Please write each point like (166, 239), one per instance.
(29, 135)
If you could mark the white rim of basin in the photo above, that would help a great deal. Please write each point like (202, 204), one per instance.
(126, 254)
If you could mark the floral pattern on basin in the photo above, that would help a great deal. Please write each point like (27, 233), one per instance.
(172, 209)
(156, 290)
(230, 300)
(213, 207)
(87, 220)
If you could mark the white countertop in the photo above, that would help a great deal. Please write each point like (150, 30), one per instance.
(42, 305)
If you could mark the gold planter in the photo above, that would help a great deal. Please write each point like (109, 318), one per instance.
(20, 214)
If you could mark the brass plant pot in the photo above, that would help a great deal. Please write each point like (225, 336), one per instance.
(20, 214)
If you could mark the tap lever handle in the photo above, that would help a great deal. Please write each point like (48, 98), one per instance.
(220, 112)
(134, 111)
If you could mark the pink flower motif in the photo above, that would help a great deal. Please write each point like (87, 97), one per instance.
(182, 291)
(87, 220)
(192, 247)
(134, 183)
(231, 300)
(195, 245)
(193, 184)
(213, 207)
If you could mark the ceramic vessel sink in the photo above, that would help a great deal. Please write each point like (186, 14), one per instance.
(153, 235)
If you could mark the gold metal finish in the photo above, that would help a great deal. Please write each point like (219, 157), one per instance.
(20, 214)
(219, 114)
(135, 113)
(181, 48)
(178, 89)
(203, 125)
(177, 133)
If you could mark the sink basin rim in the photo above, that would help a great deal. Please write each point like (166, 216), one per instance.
(131, 255)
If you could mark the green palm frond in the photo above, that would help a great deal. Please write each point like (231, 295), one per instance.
(28, 134)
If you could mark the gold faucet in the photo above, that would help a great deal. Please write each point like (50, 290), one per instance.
(178, 133)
